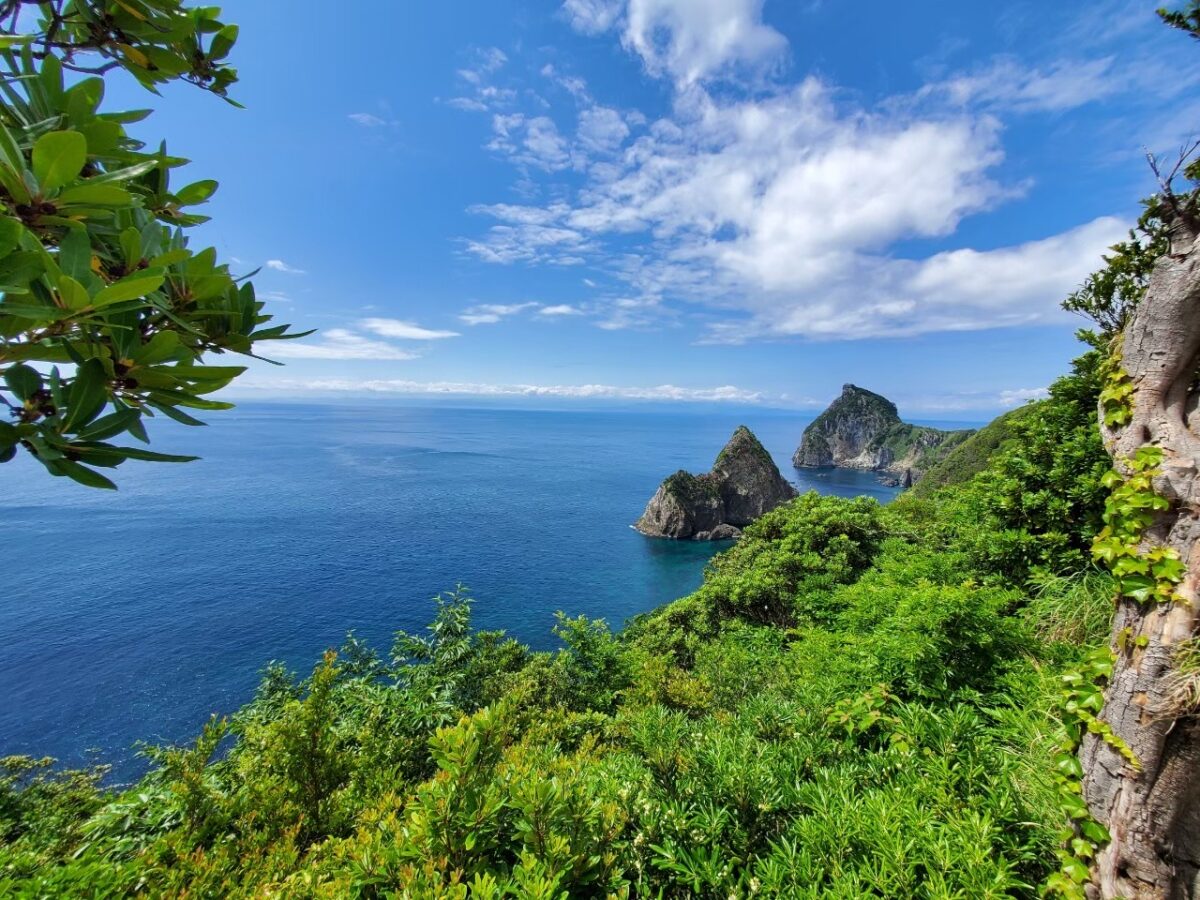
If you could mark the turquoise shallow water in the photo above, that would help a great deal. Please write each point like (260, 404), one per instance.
(132, 617)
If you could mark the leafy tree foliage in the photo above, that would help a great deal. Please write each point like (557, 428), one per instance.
(108, 316)
(1186, 19)
(1109, 295)
(855, 703)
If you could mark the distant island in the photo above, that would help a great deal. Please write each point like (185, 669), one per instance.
(744, 483)
(863, 430)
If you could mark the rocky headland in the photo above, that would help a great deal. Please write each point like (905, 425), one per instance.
(744, 483)
(863, 430)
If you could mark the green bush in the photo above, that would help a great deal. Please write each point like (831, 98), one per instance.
(858, 701)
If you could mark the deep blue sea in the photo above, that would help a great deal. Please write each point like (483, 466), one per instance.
(133, 616)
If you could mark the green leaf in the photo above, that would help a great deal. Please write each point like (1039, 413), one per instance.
(82, 474)
(18, 269)
(51, 78)
(1137, 587)
(110, 425)
(99, 194)
(22, 380)
(131, 244)
(206, 373)
(84, 98)
(89, 394)
(10, 235)
(150, 456)
(126, 174)
(14, 184)
(9, 151)
(1095, 832)
(177, 414)
(73, 294)
(75, 254)
(132, 287)
(197, 192)
(138, 429)
(58, 157)
(161, 347)
(182, 398)
(102, 136)
(36, 313)
(223, 42)
(171, 257)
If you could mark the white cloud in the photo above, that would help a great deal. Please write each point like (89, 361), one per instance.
(782, 211)
(601, 129)
(338, 343)
(664, 392)
(490, 313)
(560, 309)
(491, 59)
(401, 330)
(544, 144)
(572, 84)
(531, 140)
(685, 39)
(476, 78)
(367, 119)
(691, 41)
(980, 278)
(957, 290)
(592, 16)
(278, 265)
(1022, 395)
(529, 234)
(468, 104)
(1008, 83)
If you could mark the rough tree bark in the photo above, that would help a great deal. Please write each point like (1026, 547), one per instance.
(1154, 815)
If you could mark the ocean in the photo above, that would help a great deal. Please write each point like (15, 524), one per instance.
(131, 617)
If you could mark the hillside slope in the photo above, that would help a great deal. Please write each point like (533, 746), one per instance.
(972, 456)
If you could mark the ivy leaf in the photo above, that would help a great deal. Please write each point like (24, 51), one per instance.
(1138, 587)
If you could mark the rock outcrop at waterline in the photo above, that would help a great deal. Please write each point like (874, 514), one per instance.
(744, 483)
(862, 430)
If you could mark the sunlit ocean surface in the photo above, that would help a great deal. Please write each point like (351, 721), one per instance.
(133, 616)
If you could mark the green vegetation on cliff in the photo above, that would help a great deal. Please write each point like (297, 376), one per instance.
(689, 488)
(863, 430)
(973, 454)
(857, 702)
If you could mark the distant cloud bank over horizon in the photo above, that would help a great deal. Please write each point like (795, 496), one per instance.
(592, 394)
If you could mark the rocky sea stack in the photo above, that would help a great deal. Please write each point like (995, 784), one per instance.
(744, 483)
(862, 430)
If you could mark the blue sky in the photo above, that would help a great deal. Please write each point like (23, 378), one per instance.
(689, 200)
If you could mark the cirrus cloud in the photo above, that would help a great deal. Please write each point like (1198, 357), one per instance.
(339, 343)
(402, 330)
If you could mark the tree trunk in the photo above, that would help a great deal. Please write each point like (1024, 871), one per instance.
(1154, 815)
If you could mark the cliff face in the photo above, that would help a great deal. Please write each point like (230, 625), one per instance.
(744, 483)
(862, 430)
